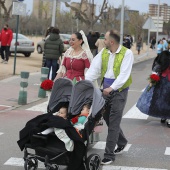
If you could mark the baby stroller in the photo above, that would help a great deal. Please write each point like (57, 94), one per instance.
(49, 149)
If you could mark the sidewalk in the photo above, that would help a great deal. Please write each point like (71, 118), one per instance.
(10, 87)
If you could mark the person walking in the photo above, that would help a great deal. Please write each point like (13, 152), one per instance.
(155, 100)
(153, 42)
(6, 36)
(91, 41)
(139, 44)
(76, 60)
(159, 47)
(100, 43)
(47, 34)
(113, 64)
(126, 42)
(165, 44)
(53, 49)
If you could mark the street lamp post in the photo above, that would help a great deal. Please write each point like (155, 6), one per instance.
(54, 13)
(122, 22)
(157, 33)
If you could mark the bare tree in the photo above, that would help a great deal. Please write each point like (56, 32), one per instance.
(91, 19)
(7, 11)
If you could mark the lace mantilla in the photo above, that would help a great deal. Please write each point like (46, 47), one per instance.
(82, 55)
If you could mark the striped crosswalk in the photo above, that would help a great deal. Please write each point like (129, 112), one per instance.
(1, 133)
(133, 113)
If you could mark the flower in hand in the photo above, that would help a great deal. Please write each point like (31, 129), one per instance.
(153, 80)
(47, 84)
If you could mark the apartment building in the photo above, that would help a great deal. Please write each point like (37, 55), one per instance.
(164, 11)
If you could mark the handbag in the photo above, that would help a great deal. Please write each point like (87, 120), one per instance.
(144, 101)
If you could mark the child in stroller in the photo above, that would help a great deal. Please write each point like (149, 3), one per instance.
(53, 151)
(77, 121)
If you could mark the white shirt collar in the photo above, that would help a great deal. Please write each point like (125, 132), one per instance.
(117, 51)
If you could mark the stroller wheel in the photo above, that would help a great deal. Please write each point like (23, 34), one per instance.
(52, 167)
(93, 162)
(31, 164)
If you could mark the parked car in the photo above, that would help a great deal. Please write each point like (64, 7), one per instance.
(24, 45)
(64, 37)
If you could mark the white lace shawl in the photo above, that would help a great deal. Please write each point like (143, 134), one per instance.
(68, 53)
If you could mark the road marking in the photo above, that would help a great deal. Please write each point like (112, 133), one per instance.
(40, 107)
(139, 91)
(5, 105)
(167, 151)
(101, 145)
(1, 133)
(127, 147)
(20, 162)
(135, 113)
(110, 167)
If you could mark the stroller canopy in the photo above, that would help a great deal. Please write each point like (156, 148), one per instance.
(61, 93)
(85, 92)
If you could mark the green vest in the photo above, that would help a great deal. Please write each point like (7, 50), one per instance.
(116, 67)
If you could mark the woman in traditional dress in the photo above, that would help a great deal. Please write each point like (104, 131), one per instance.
(76, 59)
(156, 101)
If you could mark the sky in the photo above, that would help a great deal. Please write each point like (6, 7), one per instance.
(141, 5)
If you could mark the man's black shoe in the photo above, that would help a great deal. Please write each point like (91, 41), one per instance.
(119, 150)
(106, 161)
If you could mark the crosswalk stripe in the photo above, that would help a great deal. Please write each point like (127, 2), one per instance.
(167, 151)
(40, 107)
(110, 167)
(101, 145)
(20, 162)
(127, 147)
(5, 105)
(134, 113)
(1, 133)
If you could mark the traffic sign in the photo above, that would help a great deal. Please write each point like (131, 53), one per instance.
(149, 24)
(19, 8)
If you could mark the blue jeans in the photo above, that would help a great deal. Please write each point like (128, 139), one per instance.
(52, 64)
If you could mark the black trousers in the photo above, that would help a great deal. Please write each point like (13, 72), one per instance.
(6, 50)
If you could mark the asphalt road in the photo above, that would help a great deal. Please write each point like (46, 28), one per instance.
(149, 140)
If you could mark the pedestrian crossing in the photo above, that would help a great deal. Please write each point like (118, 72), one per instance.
(19, 162)
(133, 113)
(1, 133)
(110, 167)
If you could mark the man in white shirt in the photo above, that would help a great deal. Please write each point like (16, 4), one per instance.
(113, 65)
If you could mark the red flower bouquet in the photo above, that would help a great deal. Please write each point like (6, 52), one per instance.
(74, 120)
(47, 85)
(153, 79)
